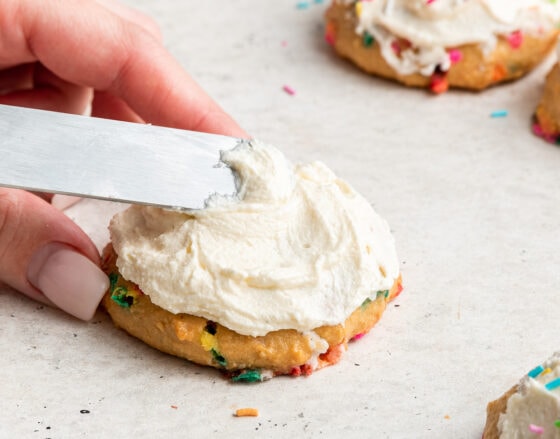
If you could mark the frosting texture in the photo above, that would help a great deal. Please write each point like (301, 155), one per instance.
(535, 408)
(297, 249)
(429, 29)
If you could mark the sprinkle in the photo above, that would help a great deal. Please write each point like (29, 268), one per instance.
(438, 83)
(219, 358)
(289, 90)
(358, 336)
(284, 43)
(498, 113)
(429, 2)
(84, 412)
(367, 39)
(535, 372)
(537, 429)
(547, 370)
(557, 423)
(318, 2)
(248, 411)
(302, 5)
(515, 39)
(174, 407)
(330, 33)
(358, 8)
(553, 384)
(248, 376)
(455, 55)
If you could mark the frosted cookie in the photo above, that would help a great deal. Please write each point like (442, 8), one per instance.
(547, 115)
(531, 408)
(438, 44)
(275, 281)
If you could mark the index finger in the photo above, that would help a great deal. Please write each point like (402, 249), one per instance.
(84, 43)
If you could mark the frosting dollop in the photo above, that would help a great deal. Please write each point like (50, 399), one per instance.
(297, 249)
(433, 27)
(535, 407)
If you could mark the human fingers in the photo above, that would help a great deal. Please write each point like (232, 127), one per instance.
(47, 256)
(47, 91)
(112, 107)
(118, 56)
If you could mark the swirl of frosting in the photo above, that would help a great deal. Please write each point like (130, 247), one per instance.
(298, 249)
(433, 27)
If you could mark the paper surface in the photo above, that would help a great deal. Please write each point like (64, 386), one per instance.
(473, 204)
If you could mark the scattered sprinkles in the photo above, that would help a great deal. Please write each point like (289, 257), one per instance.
(536, 371)
(289, 90)
(303, 5)
(498, 114)
(455, 55)
(515, 39)
(554, 384)
(248, 411)
(537, 429)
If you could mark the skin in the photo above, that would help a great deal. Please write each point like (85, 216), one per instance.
(59, 55)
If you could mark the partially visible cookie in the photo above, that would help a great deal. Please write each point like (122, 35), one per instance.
(547, 115)
(470, 44)
(531, 408)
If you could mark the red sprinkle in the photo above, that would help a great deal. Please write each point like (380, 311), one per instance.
(455, 55)
(515, 39)
(438, 83)
(289, 90)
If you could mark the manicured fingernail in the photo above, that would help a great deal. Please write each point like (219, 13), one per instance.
(69, 279)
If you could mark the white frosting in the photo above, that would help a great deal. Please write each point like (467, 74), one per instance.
(433, 27)
(299, 249)
(534, 406)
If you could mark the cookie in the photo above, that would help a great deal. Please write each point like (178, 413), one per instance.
(437, 45)
(274, 281)
(546, 122)
(529, 409)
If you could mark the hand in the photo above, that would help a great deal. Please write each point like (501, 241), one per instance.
(62, 55)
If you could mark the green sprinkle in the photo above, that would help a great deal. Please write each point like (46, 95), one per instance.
(113, 278)
(367, 39)
(557, 423)
(384, 293)
(218, 357)
(120, 296)
(365, 303)
(248, 376)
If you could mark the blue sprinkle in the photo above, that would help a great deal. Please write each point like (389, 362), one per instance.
(553, 384)
(318, 2)
(499, 113)
(302, 5)
(536, 372)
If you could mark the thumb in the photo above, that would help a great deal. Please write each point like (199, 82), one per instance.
(46, 256)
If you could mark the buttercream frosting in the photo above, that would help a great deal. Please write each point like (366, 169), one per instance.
(535, 407)
(432, 28)
(297, 248)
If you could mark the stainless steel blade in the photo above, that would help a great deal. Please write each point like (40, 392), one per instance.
(100, 158)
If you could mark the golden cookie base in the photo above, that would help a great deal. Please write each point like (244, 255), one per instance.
(187, 336)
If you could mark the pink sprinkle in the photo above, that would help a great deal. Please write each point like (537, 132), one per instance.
(515, 39)
(358, 336)
(289, 90)
(537, 429)
(430, 1)
(284, 43)
(455, 55)
(396, 47)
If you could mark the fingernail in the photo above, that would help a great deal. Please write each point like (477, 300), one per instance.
(68, 279)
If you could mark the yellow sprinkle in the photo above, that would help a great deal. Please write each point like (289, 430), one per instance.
(249, 411)
(359, 8)
(547, 370)
(208, 341)
(382, 271)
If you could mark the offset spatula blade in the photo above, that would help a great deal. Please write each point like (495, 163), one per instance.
(120, 161)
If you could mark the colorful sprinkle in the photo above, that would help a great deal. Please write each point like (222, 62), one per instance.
(358, 8)
(367, 39)
(554, 384)
(289, 90)
(248, 376)
(358, 336)
(302, 5)
(515, 39)
(438, 83)
(365, 303)
(535, 372)
(557, 423)
(499, 113)
(537, 429)
(330, 33)
(547, 370)
(249, 411)
(455, 55)
(219, 358)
